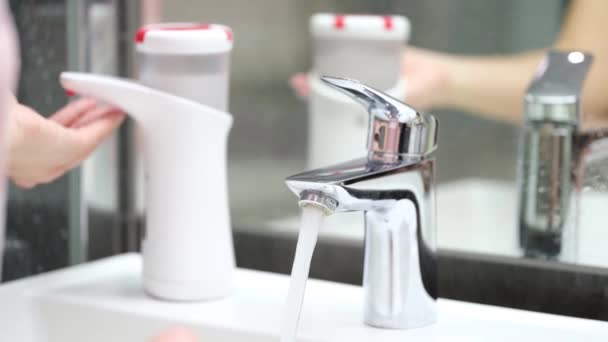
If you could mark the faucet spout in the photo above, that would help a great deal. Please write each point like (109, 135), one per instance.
(319, 200)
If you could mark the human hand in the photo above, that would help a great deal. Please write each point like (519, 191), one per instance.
(42, 149)
(175, 335)
(426, 74)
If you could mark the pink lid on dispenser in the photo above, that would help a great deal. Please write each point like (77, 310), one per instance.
(358, 26)
(184, 38)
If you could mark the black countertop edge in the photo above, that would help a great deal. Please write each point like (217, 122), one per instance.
(535, 285)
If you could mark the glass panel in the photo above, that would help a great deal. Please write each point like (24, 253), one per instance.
(38, 219)
(48, 226)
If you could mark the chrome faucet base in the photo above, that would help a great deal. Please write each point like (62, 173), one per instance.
(395, 188)
(399, 277)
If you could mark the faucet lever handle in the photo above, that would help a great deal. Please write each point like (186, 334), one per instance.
(396, 129)
(376, 102)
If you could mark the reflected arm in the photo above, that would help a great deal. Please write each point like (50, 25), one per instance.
(495, 85)
(491, 86)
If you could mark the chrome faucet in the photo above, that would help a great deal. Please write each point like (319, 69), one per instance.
(394, 187)
(552, 157)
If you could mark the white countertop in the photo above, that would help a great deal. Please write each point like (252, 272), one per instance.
(103, 301)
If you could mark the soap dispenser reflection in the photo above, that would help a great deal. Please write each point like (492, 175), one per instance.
(187, 248)
(341, 45)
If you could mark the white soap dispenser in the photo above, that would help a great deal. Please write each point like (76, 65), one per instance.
(367, 48)
(187, 249)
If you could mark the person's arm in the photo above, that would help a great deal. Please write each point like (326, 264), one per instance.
(495, 86)
(490, 86)
(584, 28)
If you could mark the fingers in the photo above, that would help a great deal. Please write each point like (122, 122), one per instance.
(92, 116)
(300, 84)
(84, 141)
(73, 111)
(48, 149)
(44, 149)
(176, 335)
(91, 135)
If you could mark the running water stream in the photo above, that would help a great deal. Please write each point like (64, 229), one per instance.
(310, 222)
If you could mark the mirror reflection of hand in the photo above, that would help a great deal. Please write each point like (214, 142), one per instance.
(175, 335)
(42, 149)
(425, 72)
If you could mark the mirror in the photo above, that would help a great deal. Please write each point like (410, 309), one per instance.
(477, 189)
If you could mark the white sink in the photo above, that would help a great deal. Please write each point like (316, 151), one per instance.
(103, 301)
